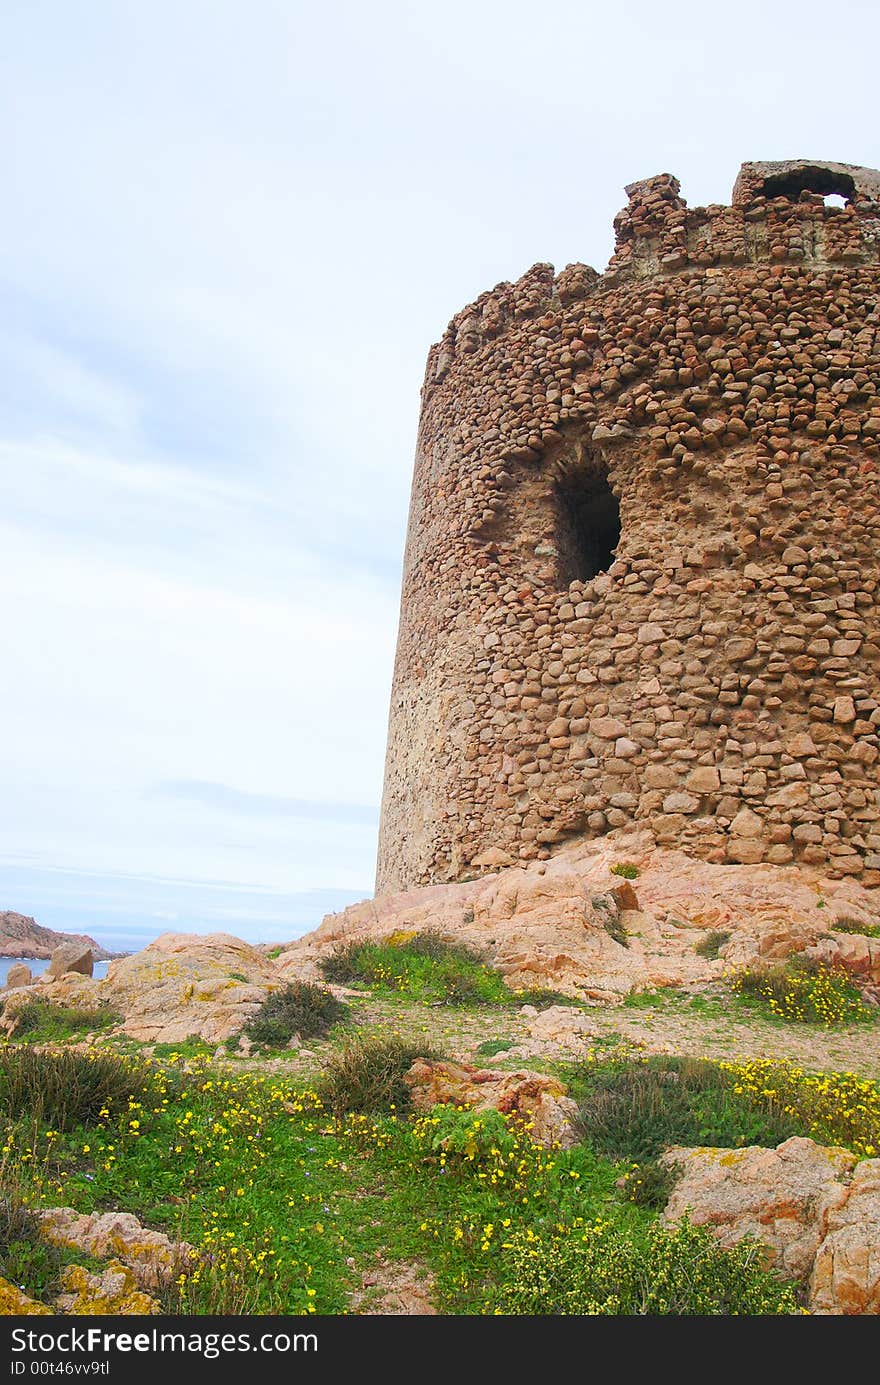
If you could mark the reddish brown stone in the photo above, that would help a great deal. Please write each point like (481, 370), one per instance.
(555, 678)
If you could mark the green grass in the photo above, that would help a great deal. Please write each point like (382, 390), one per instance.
(25, 1259)
(492, 1047)
(673, 1000)
(290, 1206)
(39, 1022)
(424, 967)
(187, 1049)
(768, 995)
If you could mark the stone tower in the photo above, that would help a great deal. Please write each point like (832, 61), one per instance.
(644, 545)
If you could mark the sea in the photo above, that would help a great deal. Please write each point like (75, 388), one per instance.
(125, 913)
(38, 965)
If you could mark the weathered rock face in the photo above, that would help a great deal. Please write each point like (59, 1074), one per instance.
(18, 975)
(771, 1194)
(551, 923)
(859, 955)
(188, 985)
(815, 1208)
(152, 1257)
(110, 1292)
(642, 563)
(846, 1271)
(75, 957)
(539, 1100)
(22, 936)
(558, 1027)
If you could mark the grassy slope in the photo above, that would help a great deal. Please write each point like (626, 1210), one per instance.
(297, 1210)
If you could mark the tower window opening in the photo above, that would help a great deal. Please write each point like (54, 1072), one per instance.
(836, 188)
(587, 524)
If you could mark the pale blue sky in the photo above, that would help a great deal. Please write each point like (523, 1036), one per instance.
(230, 233)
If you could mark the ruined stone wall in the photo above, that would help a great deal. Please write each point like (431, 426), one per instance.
(716, 677)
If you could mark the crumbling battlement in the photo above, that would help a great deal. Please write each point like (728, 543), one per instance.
(642, 560)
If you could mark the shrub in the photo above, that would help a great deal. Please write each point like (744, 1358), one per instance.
(25, 1258)
(66, 1089)
(634, 1109)
(488, 1150)
(439, 949)
(367, 1074)
(46, 1023)
(680, 1271)
(344, 964)
(711, 945)
(301, 1008)
(422, 965)
(804, 991)
(465, 1141)
(626, 869)
(649, 1184)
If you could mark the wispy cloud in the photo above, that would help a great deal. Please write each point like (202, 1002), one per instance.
(230, 233)
(230, 800)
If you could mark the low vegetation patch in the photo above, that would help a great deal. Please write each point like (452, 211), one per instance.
(423, 966)
(610, 919)
(847, 925)
(25, 1259)
(184, 1050)
(709, 1004)
(804, 991)
(366, 1074)
(301, 1009)
(40, 1022)
(710, 946)
(626, 869)
(290, 1199)
(64, 1089)
(594, 1268)
(635, 1108)
(649, 1184)
(835, 1108)
(490, 1048)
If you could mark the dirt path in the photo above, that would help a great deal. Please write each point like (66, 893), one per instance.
(673, 1027)
(851, 1050)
